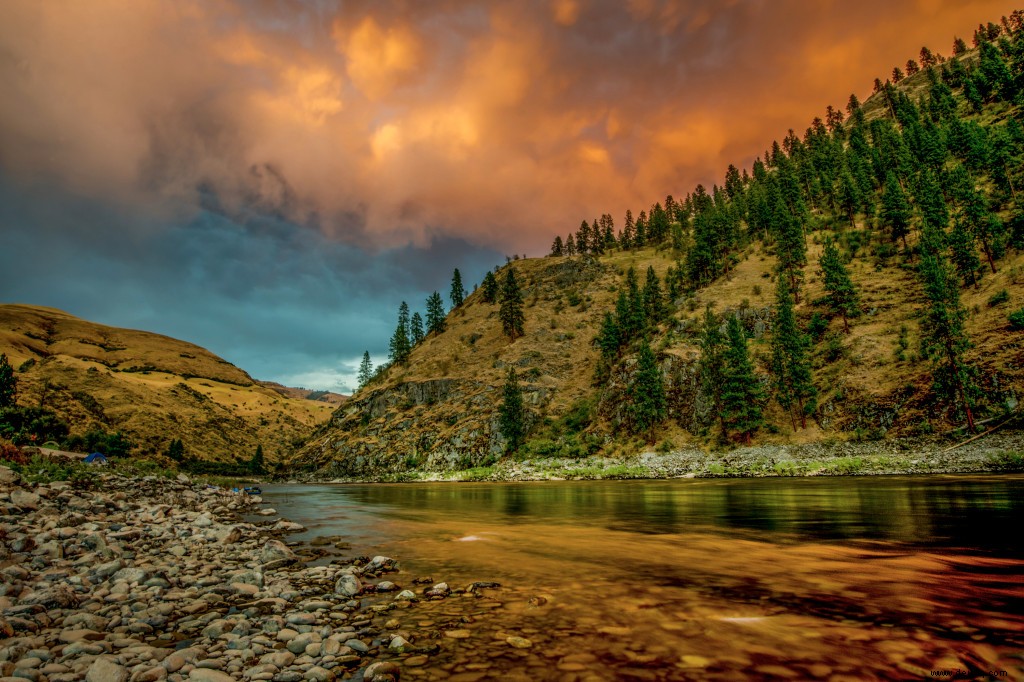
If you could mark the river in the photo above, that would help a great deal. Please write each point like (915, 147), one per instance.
(846, 578)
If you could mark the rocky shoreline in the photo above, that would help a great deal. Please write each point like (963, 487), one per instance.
(150, 579)
(998, 452)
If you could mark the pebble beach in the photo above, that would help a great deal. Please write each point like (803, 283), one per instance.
(150, 579)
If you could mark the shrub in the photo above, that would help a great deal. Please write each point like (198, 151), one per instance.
(999, 297)
(31, 425)
(817, 326)
(1017, 319)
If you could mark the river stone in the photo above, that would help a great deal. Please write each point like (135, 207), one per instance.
(399, 644)
(298, 645)
(209, 675)
(276, 554)
(439, 590)
(381, 668)
(319, 674)
(357, 645)
(405, 595)
(347, 585)
(386, 586)
(106, 670)
(519, 642)
(24, 499)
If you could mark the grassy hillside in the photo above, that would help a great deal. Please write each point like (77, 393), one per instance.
(150, 387)
(955, 127)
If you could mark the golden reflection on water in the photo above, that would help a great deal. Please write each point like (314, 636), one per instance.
(624, 583)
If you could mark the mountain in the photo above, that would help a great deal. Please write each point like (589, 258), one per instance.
(152, 388)
(916, 189)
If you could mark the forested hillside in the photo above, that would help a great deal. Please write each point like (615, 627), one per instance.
(862, 280)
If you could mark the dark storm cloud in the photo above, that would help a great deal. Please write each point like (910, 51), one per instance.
(275, 298)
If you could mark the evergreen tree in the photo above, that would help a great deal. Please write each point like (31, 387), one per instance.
(791, 248)
(511, 312)
(436, 323)
(741, 390)
(931, 202)
(416, 329)
(842, 297)
(628, 233)
(791, 364)
(608, 338)
(176, 450)
(654, 301)
(256, 465)
(8, 383)
(964, 253)
(512, 412)
(647, 402)
(400, 346)
(457, 294)
(556, 247)
(570, 246)
(489, 288)
(944, 337)
(712, 362)
(896, 211)
(365, 369)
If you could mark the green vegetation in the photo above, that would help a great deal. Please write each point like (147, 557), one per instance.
(401, 345)
(511, 312)
(8, 383)
(512, 413)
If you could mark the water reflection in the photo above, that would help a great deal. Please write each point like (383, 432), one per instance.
(976, 512)
(853, 578)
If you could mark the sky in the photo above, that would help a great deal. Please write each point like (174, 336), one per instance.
(269, 179)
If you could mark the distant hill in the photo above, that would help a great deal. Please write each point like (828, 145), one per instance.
(306, 393)
(151, 387)
(948, 139)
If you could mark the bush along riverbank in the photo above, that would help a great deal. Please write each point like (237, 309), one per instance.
(148, 579)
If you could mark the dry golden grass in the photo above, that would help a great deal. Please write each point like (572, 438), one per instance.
(152, 387)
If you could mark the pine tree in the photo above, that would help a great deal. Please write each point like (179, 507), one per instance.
(8, 383)
(791, 249)
(436, 323)
(896, 211)
(457, 294)
(365, 369)
(712, 361)
(570, 245)
(416, 329)
(556, 246)
(944, 337)
(609, 338)
(931, 202)
(654, 301)
(511, 312)
(842, 297)
(256, 465)
(512, 412)
(964, 253)
(741, 391)
(791, 364)
(176, 450)
(648, 405)
(489, 288)
(400, 346)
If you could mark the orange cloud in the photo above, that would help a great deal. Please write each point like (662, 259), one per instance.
(379, 59)
(498, 123)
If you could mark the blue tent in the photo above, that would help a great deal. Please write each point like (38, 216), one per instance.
(96, 458)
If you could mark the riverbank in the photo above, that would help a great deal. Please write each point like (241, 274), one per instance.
(144, 579)
(994, 453)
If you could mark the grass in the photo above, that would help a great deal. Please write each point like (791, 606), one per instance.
(1008, 461)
